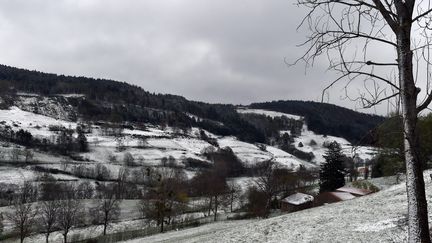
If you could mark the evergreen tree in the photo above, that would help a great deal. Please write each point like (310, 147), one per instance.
(82, 140)
(332, 172)
(65, 142)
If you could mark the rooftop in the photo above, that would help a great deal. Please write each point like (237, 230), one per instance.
(298, 198)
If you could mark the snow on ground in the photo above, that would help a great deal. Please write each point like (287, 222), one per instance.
(307, 136)
(287, 159)
(298, 198)
(185, 235)
(71, 95)
(38, 125)
(378, 217)
(305, 142)
(250, 154)
(13, 175)
(268, 113)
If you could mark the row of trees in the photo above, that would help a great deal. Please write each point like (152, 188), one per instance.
(62, 209)
(64, 143)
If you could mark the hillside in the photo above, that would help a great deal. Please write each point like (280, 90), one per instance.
(329, 119)
(100, 99)
(92, 137)
(380, 217)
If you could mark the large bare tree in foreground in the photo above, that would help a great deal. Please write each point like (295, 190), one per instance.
(386, 45)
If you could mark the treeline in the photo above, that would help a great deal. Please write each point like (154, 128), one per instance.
(122, 102)
(164, 195)
(328, 119)
(63, 143)
(390, 139)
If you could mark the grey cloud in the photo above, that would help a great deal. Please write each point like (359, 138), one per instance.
(217, 51)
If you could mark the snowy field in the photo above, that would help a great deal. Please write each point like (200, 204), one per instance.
(162, 143)
(269, 113)
(379, 217)
(307, 136)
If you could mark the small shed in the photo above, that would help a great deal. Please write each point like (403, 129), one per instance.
(332, 197)
(296, 202)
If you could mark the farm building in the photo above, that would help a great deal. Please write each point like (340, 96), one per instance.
(341, 194)
(296, 202)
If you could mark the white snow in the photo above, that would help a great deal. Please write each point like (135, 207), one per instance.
(13, 175)
(38, 125)
(269, 113)
(343, 195)
(378, 217)
(307, 136)
(251, 155)
(298, 198)
(71, 95)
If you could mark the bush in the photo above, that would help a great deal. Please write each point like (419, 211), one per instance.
(387, 164)
(365, 185)
(196, 163)
(56, 128)
(257, 201)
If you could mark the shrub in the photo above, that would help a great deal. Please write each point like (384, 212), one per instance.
(365, 185)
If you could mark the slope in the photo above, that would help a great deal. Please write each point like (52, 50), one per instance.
(329, 119)
(379, 217)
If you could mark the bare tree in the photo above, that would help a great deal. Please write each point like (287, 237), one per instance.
(122, 177)
(1, 224)
(15, 154)
(348, 33)
(23, 218)
(128, 159)
(28, 154)
(234, 193)
(107, 209)
(213, 185)
(101, 172)
(69, 211)
(112, 159)
(29, 192)
(265, 181)
(85, 190)
(49, 212)
(166, 197)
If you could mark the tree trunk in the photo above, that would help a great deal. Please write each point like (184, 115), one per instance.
(232, 200)
(47, 237)
(210, 206)
(215, 208)
(105, 227)
(65, 238)
(418, 228)
(162, 226)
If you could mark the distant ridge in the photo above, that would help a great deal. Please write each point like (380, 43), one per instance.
(329, 119)
(119, 101)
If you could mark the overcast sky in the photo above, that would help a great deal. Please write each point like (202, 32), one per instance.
(220, 51)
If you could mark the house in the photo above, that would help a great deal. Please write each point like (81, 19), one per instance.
(332, 197)
(296, 202)
(341, 194)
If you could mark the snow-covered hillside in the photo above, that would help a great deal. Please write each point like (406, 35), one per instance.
(309, 141)
(268, 113)
(165, 142)
(379, 217)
